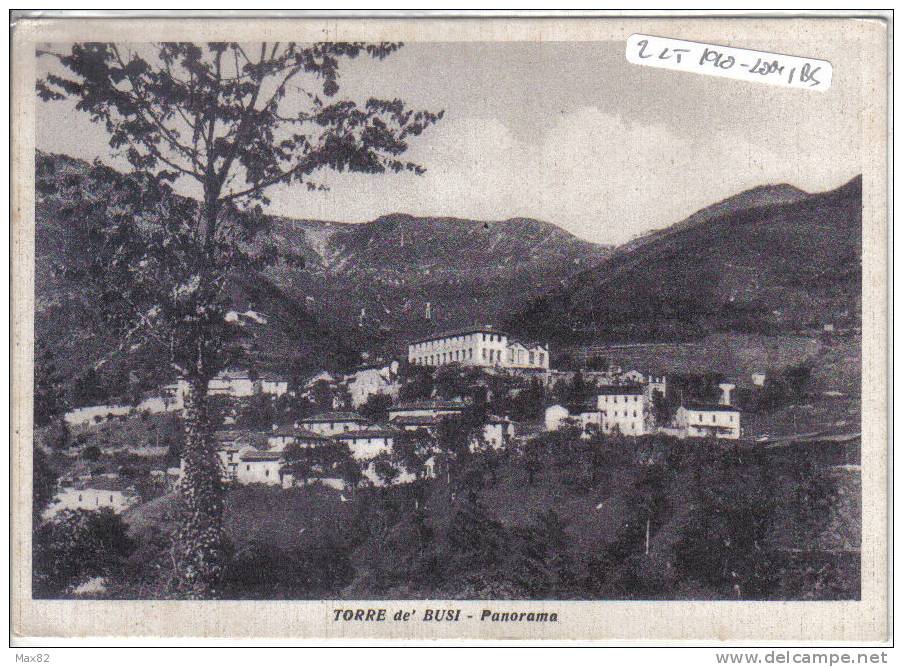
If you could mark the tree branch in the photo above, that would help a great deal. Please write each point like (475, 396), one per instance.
(244, 123)
(156, 122)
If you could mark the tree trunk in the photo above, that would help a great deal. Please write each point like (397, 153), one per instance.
(201, 548)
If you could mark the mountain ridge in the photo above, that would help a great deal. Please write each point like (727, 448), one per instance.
(337, 289)
(755, 197)
(769, 258)
(730, 266)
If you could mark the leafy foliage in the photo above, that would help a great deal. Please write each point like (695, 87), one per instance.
(376, 407)
(477, 540)
(418, 383)
(49, 393)
(258, 413)
(660, 521)
(183, 109)
(663, 409)
(387, 468)
(411, 450)
(527, 405)
(545, 566)
(725, 541)
(307, 462)
(76, 546)
(263, 571)
(43, 484)
(575, 391)
(788, 387)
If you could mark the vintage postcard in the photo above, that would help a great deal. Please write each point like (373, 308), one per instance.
(447, 328)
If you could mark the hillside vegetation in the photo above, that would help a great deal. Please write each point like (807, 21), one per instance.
(722, 524)
(769, 260)
(772, 260)
(381, 274)
(335, 290)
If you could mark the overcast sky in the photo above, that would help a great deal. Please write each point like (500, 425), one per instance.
(567, 133)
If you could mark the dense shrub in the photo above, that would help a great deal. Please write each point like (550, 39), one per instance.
(266, 571)
(77, 545)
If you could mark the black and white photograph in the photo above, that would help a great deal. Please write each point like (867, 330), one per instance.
(507, 321)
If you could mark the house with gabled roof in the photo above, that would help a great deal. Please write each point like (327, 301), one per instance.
(427, 408)
(333, 423)
(259, 467)
(369, 442)
(111, 493)
(708, 420)
(585, 416)
(279, 438)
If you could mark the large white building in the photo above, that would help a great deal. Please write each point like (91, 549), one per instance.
(704, 420)
(478, 346)
(259, 467)
(272, 385)
(237, 383)
(624, 408)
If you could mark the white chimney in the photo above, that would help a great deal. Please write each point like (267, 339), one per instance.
(726, 389)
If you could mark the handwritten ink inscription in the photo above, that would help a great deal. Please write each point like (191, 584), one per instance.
(725, 61)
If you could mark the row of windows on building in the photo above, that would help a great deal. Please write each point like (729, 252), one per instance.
(369, 441)
(534, 357)
(457, 355)
(442, 342)
(96, 499)
(266, 473)
(333, 426)
(466, 355)
(614, 399)
(730, 418)
(614, 413)
(632, 426)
